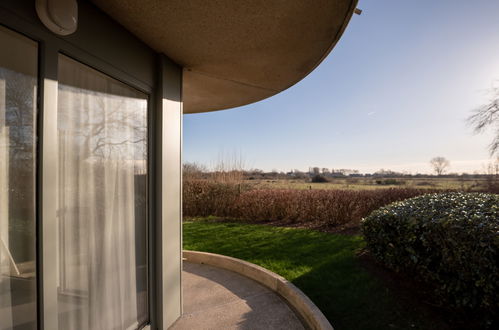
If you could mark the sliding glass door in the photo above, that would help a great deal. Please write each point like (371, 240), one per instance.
(101, 201)
(18, 94)
(98, 237)
(18, 88)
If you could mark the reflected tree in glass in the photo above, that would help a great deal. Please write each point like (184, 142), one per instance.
(102, 136)
(18, 88)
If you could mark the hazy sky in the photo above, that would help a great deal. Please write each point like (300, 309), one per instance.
(394, 92)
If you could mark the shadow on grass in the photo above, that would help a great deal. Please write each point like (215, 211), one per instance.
(324, 266)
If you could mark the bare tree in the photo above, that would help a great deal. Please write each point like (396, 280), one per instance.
(439, 164)
(487, 116)
(315, 170)
(492, 178)
(229, 167)
(193, 171)
(106, 128)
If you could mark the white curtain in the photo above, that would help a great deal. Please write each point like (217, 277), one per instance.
(102, 145)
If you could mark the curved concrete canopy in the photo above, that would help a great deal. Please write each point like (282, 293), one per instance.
(235, 52)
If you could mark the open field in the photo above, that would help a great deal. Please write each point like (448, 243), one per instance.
(362, 183)
(352, 292)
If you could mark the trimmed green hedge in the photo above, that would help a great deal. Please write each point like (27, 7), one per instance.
(450, 241)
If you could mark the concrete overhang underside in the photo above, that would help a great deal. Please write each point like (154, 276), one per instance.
(235, 52)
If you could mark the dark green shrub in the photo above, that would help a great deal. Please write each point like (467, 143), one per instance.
(319, 179)
(449, 240)
(387, 182)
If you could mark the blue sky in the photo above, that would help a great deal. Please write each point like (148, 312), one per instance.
(394, 92)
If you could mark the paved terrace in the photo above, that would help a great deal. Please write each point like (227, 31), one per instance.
(215, 298)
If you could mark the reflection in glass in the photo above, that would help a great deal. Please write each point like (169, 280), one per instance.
(18, 82)
(101, 201)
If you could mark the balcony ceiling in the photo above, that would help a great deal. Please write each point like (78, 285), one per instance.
(235, 52)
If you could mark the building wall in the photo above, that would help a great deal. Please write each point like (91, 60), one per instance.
(103, 44)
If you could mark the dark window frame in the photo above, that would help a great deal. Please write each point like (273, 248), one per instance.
(49, 46)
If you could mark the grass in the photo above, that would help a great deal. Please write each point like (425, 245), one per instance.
(370, 183)
(324, 266)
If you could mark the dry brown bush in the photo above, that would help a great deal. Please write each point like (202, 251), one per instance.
(321, 207)
(203, 198)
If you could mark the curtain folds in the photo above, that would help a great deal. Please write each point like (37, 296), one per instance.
(102, 157)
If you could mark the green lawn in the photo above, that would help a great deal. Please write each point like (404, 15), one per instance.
(322, 265)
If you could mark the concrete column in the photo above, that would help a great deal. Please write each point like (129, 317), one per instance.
(169, 193)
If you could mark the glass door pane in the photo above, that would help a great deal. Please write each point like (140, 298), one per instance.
(18, 85)
(102, 204)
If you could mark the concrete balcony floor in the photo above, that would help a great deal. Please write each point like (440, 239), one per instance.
(215, 298)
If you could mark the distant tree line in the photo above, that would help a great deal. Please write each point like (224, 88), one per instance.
(196, 171)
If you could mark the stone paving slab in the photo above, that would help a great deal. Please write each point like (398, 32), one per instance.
(215, 298)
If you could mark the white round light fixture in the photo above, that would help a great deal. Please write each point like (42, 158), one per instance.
(59, 16)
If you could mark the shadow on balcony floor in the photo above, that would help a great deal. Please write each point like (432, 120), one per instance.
(215, 298)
